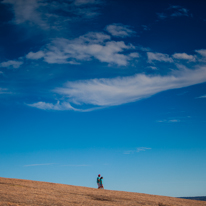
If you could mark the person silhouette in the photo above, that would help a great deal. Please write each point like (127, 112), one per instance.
(98, 181)
(101, 183)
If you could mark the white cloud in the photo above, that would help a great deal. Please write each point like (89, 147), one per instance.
(93, 38)
(174, 120)
(152, 67)
(91, 45)
(110, 53)
(26, 11)
(33, 55)
(201, 52)
(50, 106)
(203, 96)
(121, 90)
(144, 49)
(119, 30)
(134, 55)
(158, 57)
(169, 121)
(139, 149)
(11, 63)
(4, 91)
(184, 56)
(59, 106)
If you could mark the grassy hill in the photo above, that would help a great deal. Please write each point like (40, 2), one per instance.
(15, 192)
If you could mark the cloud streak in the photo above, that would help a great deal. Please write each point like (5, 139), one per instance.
(34, 165)
(154, 56)
(4, 91)
(203, 96)
(108, 92)
(119, 30)
(50, 106)
(138, 149)
(184, 56)
(174, 11)
(178, 11)
(83, 165)
(121, 90)
(11, 64)
(169, 121)
(51, 14)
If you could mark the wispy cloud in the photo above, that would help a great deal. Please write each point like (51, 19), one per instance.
(138, 149)
(152, 67)
(202, 54)
(59, 106)
(162, 16)
(83, 2)
(35, 55)
(50, 106)
(4, 91)
(154, 56)
(119, 30)
(175, 119)
(169, 121)
(145, 27)
(182, 93)
(142, 149)
(33, 165)
(174, 11)
(184, 56)
(51, 14)
(178, 11)
(203, 96)
(25, 10)
(11, 64)
(83, 165)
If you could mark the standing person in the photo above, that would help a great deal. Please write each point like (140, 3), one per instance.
(98, 181)
(101, 183)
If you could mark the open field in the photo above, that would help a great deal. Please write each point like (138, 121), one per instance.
(15, 192)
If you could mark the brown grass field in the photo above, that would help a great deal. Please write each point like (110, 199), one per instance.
(15, 192)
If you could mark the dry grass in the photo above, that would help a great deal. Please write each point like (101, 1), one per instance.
(14, 192)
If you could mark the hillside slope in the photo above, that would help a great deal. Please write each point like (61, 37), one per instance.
(15, 192)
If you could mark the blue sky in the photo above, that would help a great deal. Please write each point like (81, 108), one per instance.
(110, 87)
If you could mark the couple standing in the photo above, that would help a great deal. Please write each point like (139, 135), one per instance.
(100, 182)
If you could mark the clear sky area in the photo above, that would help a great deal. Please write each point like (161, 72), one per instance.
(110, 87)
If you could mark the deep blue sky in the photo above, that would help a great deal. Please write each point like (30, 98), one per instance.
(110, 87)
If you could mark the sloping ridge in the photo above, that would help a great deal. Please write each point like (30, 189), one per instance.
(16, 192)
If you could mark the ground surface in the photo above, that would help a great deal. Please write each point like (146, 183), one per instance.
(15, 192)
